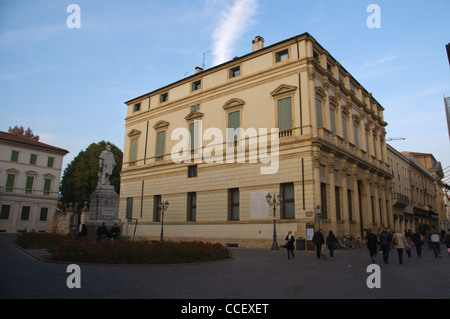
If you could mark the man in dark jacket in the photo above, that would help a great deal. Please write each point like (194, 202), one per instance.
(372, 244)
(385, 244)
(318, 241)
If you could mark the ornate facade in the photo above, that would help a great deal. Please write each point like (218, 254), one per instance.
(328, 159)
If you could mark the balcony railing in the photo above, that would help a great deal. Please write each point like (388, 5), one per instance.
(400, 199)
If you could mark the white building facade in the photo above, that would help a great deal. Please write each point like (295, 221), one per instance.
(30, 173)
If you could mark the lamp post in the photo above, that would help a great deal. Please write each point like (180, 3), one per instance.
(164, 206)
(274, 202)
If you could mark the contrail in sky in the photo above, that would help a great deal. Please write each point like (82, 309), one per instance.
(233, 22)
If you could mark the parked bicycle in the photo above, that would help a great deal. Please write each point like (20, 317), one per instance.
(349, 242)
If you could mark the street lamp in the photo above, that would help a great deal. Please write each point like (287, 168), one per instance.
(273, 202)
(164, 206)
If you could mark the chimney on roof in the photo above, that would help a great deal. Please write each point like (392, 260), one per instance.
(258, 43)
(198, 69)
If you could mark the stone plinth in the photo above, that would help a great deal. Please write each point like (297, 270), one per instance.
(104, 208)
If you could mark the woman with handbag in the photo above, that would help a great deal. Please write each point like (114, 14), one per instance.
(399, 243)
(418, 240)
(290, 244)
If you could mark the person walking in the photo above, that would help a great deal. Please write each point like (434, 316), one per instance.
(372, 244)
(331, 243)
(418, 240)
(290, 245)
(399, 243)
(435, 239)
(385, 244)
(318, 241)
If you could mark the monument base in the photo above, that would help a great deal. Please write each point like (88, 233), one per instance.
(104, 209)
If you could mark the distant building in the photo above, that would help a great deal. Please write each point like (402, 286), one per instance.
(414, 194)
(436, 204)
(330, 166)
(30, 173)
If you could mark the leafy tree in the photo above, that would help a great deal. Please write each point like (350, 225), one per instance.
(80, 178)
(19, 131)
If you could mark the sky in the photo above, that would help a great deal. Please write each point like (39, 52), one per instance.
(66, 71)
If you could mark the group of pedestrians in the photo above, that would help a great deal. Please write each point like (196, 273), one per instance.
(387, 239)
(383, 241)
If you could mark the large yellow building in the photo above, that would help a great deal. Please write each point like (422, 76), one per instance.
(309, 131)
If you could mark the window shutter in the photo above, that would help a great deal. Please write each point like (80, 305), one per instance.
(333, 121)
(233, 124)
(319, 113)
(133, 150)
(194, 135)
(284, 114)
(29, 184)
(160, 143)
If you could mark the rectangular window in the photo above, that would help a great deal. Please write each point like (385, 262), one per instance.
(192, 171)
(288, 205)
(157, 208)
(129, 208)
(47, 185)
(163, 97)
(50, 162)
(195, 108)
(43, 214)
(282, 55)
(323, 200)
(356, 135)
(197, 85)
(344, 129)
(233, 204)
(33, 158)
(367, 144)
(25, 213)
(193, 129)
(14, 156)
(192, 207)
(284, 114)
(333, 121)
(319, 113)
(337, 195)
(375, 146)
(234, 72)
(10, 182)
(234, 119)
(29, 185)
(350, 205)
(133, 150)
(4, 214)
(316, 55)
(137, 107)
(161, 137)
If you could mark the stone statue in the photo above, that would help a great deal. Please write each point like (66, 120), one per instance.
(106, 165)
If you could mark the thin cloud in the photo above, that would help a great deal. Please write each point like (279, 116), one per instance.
(233, 22)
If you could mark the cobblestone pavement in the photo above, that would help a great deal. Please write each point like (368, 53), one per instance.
(252, 274)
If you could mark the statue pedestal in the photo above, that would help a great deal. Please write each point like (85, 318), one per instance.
(104, 208)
